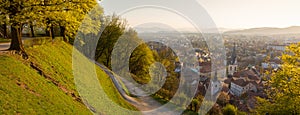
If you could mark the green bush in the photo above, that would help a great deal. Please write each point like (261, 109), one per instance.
(230, 110)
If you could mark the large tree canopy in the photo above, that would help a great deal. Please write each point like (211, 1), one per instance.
(43, 13)
(283, 88)
(16, 13)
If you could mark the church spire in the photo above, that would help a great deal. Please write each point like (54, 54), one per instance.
(233, 55)
(233, 66)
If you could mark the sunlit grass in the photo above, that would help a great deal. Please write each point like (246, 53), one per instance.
(25, 91)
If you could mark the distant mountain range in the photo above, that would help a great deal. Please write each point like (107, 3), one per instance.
(153, 29)
(267, 31)
(158, 28)
(162, 29)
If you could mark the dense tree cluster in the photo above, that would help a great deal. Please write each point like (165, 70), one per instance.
(141, 58)
(47, 14)
(283, 87)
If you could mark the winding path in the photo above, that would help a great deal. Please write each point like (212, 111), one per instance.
(4, 46)
(147, 105)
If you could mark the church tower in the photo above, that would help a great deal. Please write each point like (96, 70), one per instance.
(232, 66)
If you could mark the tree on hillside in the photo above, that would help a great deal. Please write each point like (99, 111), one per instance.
(16, 13)
(141, 59)
(283, 87)
(112, 29)
(130, 48)
(167, 58)
(67, 16)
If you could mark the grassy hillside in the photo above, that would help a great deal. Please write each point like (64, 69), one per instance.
(45, 83)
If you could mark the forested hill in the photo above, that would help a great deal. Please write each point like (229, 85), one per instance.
(268, 31)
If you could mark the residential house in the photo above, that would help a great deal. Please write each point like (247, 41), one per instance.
(244, 81)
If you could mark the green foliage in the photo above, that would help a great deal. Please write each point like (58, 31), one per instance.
(215, 110)
(181, 99)
(78, 16)
(44, 14)
(167, 59)
(39, 41)
(68, 14)
(196, 103)
(229, 110)
(283, 87)
(18, 11)
(112, 30)
(141, 57)
(140, 62)
(4, 40)
(93, 21)
(188, 112)
(159, 99)
(223, 99)
(241, 113)
(164, 94)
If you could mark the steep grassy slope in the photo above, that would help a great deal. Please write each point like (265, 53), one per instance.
(45, 83)
(24, 91)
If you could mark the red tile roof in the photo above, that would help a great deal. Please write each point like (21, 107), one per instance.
(236, 74)
(247, 73)
(228, 80)
(240, 82)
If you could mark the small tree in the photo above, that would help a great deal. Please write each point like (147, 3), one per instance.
(229, 110)
(215, 110)
(223, 99)
(113, 28)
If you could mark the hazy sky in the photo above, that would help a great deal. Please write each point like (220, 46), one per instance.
(234, 14)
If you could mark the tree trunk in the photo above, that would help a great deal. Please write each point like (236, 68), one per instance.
(5, 31)
(32, 30)
(62, 32)
(52, 32)
(16, 42)
(48, 33)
